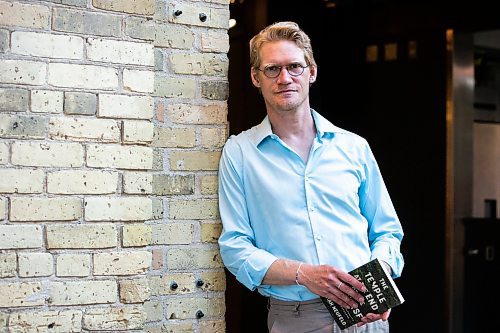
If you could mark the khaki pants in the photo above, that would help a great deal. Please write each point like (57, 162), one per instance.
(311, 316)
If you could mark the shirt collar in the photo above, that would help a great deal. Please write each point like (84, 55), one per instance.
(324, 128)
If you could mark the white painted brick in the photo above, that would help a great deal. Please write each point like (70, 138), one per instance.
(21, 181)
(47, 101)
(187, 63)
(213, 137)
(174, 137)
(144, 7)
(82, 182)
(122, 263)
(24, 15)
(81, 236)
(136, 235)
(137, 131)
(64, 321)
(177, 327)
(70, 264)
(4, 317)
(215, 64)
(121, 157)
(194, 209)
(213, 326)
(174, 36)
(83, 292)
(118, 209)
(3, 208)
(82, 76)
(84, 129)
(137, 80)
(4, 47)
(88, 22)
(215, 41)
(165, 184)
(22, 72)
(114, 319)
(47, 45)
(140, 27)
(197, 114)
(80, 103)
(157, 208)
(160, 285)
(210, 232)
(20, 236)
(134, 291)
(47, 154)
(124, 106)
(122, 52)
(13, 99)
(155, 312)
(186, 308)
(8, 266)
(209, 184)
(137, 182)
(175, 86)
(193, 258)
(4, 153)
(45, 209)
(23, 126)
(172, 233)
(35, 264)
(216, 17)
(20, 294)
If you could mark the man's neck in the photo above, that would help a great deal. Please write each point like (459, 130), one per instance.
(295, 128)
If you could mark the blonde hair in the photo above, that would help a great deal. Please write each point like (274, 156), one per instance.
(281, 31)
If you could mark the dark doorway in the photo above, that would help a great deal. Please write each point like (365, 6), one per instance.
(398, 102)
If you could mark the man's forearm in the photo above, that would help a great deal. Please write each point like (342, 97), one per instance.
(281, 272)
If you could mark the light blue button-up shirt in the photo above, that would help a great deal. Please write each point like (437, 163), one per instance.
(334, 209)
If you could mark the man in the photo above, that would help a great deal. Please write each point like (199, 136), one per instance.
(302, 202)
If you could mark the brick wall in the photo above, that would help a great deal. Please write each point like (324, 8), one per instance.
(112, 119)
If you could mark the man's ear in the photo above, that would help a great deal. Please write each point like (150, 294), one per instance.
(313, 75)
(255, 77)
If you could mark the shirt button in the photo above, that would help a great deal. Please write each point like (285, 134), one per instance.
(311, 209)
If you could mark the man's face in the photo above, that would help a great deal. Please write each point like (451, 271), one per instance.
(284, 92)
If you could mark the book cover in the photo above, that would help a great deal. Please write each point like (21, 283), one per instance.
(382, 295)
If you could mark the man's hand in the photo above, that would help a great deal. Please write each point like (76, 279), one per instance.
(332, 283)
(371, 317)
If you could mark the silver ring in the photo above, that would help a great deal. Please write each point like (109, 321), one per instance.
(340, 284)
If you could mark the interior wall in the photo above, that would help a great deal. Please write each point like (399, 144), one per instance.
(486, 167)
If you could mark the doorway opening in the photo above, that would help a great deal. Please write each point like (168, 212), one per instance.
(399, 105)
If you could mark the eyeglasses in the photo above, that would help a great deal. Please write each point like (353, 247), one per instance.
(273, 71)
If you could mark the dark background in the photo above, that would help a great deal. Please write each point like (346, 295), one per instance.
(398, 106)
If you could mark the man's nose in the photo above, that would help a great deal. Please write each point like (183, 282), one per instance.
(284, 76)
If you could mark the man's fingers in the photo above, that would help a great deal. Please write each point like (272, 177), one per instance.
(343, 300)
(351, 293)
(352, 281)
(386, 315)
(344, 295)
(371, 317)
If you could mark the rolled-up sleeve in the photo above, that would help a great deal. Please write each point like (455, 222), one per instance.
(384, 228)
(237, 244)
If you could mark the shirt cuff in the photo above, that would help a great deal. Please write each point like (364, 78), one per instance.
(392, 257)
(253, 270)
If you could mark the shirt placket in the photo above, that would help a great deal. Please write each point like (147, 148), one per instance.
(310, 196)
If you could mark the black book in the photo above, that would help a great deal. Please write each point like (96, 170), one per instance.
(382, 295)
